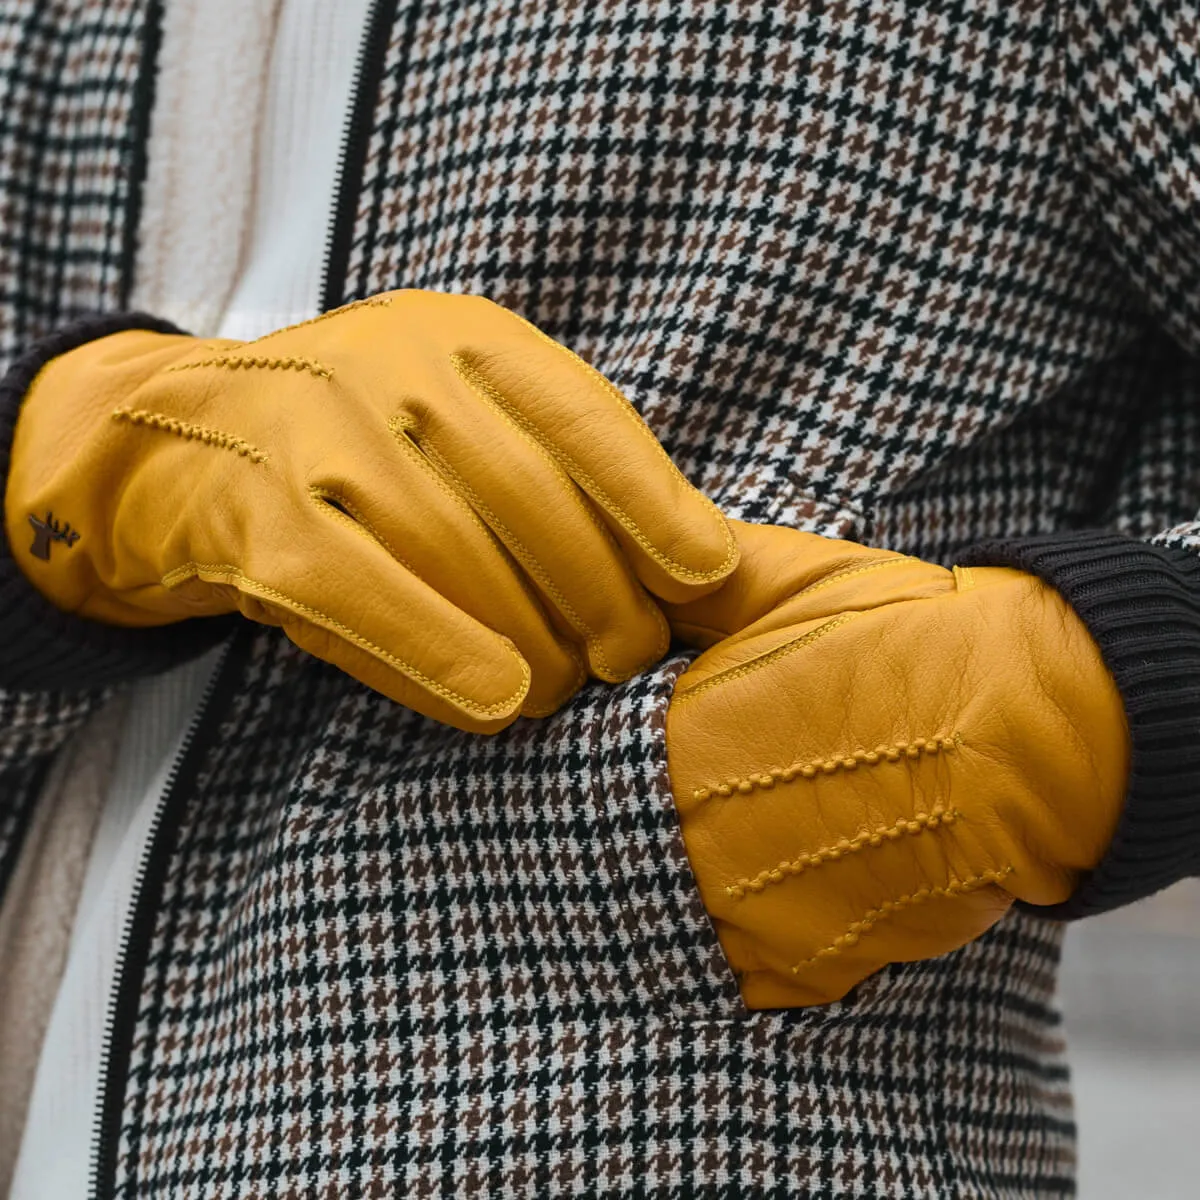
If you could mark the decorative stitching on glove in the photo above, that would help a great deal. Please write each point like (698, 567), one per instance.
(352, 516)
(369, 302)
(763, 660)
(856, 929)
(335, 502)
(829, 766)
(910, 827)
(251, 362)
(402, 428)
(877, 564)
(229, 574)
(190, 432)
(478, 383)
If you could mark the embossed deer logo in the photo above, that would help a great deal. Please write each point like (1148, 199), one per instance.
(46, 532)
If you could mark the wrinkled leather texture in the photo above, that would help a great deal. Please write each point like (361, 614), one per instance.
(421, 488)
(876, 755)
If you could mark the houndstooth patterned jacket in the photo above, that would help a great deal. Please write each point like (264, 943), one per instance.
(925, 273)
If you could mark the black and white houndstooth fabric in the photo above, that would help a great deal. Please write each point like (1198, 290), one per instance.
(74, 112)
(397, 960)
(75, 92)
(867, 266)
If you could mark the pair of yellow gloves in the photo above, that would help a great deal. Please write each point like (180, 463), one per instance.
(872, 757)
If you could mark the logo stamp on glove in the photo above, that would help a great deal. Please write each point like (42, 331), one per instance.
(47, 532)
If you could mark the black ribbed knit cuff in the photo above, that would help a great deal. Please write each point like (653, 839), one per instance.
(1141, 603)
(42, 648)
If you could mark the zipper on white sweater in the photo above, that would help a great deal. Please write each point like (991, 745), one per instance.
(124, 1002)
(124, 998)
(364, 92)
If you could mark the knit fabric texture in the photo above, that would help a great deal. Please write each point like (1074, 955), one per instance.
(1141, 603)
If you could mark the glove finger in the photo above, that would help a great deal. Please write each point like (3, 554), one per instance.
(675, 537)
(774, 564)
(547, 525)
(426, 526)
(340, 596)
(827, 960)
(785, 576)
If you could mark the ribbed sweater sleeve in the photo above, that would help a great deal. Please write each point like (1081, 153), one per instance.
(41, 647)
(1141, 603)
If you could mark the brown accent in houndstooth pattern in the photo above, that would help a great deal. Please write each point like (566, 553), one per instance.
(74, 112)
(418, 962)
(72, 125)
(864, 265)
(32, 729)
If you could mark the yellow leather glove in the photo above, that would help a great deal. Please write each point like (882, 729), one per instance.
(421, 488)
(877, 755)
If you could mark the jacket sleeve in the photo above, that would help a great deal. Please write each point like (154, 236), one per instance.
(57, 669)
(41, 648)
(1132, 92)
(1131, 88)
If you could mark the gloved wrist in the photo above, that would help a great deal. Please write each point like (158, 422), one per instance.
(43, 647)
(1141, 604)
(870, 772)
(420, 488)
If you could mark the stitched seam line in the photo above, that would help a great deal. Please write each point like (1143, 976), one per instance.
(553, 706)
(250, 362)
(369, 302)
(789, 868)
(514, 544)
(811, 768)
(399, 427)
(190, 432)
(478, 383)
(874, 565)
(230, 574)
(764, 660)
(693, 628)
(356, 521)
(493, 399)
(857, 929)
(598, 377)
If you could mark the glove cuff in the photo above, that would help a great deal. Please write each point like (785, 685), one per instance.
(41, 647)
(1141, 604)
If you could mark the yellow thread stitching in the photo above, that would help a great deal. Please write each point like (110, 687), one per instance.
(369, 302)
(764, 660)
(873, 838)
(357, 521)
(190, 432)
(874, 565)
(235, 362)
(672, 566)
(553, 706)
(686, 629)
(810, 768)
(399, 427)
(492, 397)
(856, 929)
(230, 574)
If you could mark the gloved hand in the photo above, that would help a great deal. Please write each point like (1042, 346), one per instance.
(421, 488)
(877, 755)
